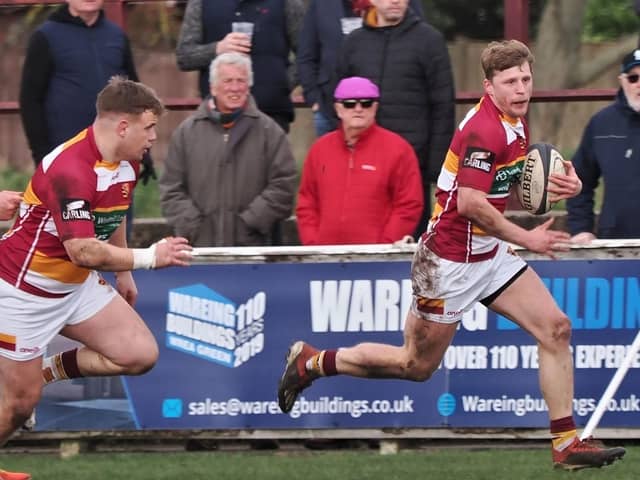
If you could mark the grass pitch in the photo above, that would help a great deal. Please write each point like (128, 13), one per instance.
(463, 464)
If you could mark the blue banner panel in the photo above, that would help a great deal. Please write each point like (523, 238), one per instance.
(224, 337)
(224, 330)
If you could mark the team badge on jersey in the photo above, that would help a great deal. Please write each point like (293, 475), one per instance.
(479, 159)
(73, 209)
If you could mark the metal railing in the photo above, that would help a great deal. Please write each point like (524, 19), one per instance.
(516, 26)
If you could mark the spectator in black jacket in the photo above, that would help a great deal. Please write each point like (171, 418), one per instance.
(69, 59)
(326, 23)
(408, 59)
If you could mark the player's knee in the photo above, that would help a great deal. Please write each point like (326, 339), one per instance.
(562, 329)
(559, 333)
(21, 406)
(419, 371)
(143, 361)
(146, 361)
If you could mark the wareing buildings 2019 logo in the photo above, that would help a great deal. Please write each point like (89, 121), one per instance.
(203, 323)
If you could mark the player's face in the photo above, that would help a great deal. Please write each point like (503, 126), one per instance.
(511, 90)
(358, 117)
(390, 12)
(630, 83)
(139, 135)
(78, 7)
(231, 88)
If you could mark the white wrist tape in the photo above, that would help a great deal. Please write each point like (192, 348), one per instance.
(144, 258)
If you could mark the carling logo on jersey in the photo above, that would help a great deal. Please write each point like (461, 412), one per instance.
(75, 209)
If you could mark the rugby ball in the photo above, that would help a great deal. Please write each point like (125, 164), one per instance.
(542, 159)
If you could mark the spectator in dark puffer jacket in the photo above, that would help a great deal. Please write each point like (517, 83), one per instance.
(326, 24)
(408, 59)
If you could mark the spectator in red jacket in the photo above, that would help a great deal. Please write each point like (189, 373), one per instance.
(360, 183)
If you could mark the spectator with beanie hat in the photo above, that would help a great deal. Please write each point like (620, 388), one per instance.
(610, 150)
(360, 183)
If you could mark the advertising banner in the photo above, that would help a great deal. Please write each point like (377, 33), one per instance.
(224, 331)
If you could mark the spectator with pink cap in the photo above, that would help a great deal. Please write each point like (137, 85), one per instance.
(360, 183)
(409, 60)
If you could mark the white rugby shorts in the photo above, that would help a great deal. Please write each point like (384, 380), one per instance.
(29, 322)
(443, 290)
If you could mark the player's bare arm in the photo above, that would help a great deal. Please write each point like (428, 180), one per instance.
(99, 255)
(473, 204)
(564, 186)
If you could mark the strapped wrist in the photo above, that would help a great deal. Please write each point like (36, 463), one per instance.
(144, 258)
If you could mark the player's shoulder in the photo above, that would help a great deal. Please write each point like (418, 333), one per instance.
(73, 158)
(483, 127)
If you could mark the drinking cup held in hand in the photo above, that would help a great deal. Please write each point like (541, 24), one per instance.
(243, 27)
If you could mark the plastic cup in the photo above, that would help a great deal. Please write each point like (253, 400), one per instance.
(243, 27)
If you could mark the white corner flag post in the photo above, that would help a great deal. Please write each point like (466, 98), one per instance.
(611, 388)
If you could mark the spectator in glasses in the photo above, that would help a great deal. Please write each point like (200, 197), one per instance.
(360, 183)
(610, 151)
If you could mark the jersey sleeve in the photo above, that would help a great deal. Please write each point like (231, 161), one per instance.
(477, 159)
(69, 194)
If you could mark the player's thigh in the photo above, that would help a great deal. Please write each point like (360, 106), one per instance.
(116, 331)
(21, 380)
(528, 303)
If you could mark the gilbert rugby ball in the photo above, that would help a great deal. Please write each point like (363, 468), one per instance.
(542, 159)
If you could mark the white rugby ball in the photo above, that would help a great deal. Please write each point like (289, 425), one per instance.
(542, 159)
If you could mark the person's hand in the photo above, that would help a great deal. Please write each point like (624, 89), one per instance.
(126, 287)
(172, 251)
(406, 240)
(583, 238)
(297, 95)
(9, 203)
(545, 241)
(234, 42)
(148, 171)
(564, 186)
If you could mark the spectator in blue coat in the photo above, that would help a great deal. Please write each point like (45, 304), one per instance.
(325, 24)
(69, 59)
(610, 151)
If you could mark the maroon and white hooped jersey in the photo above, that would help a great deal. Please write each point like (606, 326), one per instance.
(487, 153)
(72, 194)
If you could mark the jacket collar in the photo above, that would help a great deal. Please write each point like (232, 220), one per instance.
(622, 102)
(370, 20)
(62, 15)
(202, 112)
(361, 139)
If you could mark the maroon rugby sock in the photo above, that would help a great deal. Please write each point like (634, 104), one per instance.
(61, 366)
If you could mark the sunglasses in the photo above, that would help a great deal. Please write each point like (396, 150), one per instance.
(633, 78)
(364, 103)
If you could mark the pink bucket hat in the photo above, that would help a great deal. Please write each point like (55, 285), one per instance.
(356, 88)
